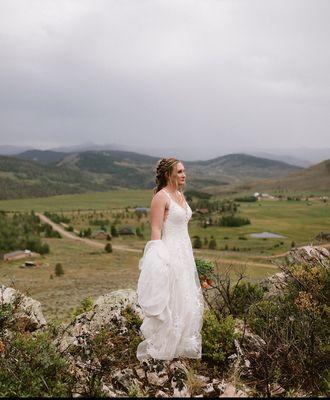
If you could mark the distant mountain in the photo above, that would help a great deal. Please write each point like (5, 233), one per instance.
(24, 178)
(316, 177)
(44, 157)
(234, 168)
(284, 158)
(88, 146)
(9, 150)
(301, 156)
(58, 173)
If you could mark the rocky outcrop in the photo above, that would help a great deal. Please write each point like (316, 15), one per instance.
(309, 256)
(153, 378)
(106, 312)
(27, 314)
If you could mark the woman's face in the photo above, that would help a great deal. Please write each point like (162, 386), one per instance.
(179, 174)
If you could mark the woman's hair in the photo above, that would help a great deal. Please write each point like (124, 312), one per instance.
(164, 172)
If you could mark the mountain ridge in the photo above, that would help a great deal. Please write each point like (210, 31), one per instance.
(64, 173)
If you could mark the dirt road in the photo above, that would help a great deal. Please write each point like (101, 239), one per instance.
(89, 242)
(99, 245)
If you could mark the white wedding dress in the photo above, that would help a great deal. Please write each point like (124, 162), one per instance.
(169, 292)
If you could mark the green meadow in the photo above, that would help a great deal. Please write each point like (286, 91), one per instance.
(90, 272)
(86, 201)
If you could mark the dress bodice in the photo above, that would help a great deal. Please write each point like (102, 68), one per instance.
(175, 225)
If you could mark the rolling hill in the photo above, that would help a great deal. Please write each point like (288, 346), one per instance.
(316, 177)
(63, 173)
(45, 157)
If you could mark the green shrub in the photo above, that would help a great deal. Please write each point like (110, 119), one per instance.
(243, 296)
(205, 268)
(197, 243)
(295, 326)
(30, 366)
(114, 232)
(218, 337)
(108, 248)
(212, 244)
(59, 269)
(85, 305)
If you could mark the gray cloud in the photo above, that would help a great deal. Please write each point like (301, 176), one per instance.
(202, 73)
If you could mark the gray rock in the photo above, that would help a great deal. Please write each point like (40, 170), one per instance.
(106, 313)
(231, 391)
(274, 284)
(309, 255)
(157, 379)
(28, 316)
(140, 373)
(124, 377)
(160, 393)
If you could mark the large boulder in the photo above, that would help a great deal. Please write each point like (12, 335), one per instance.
(309, 256)
(26, 314)
(106, 312)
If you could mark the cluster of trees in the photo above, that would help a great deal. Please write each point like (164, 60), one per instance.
(23, 231)
(246, 199)
(233, 220)
(57, 218)
(199, 244)
(219, 206)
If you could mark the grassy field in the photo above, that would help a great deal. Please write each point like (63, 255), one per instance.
(90, 272)
(87, 272)
(85, 201)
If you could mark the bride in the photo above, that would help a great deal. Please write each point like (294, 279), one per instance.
(168, 289)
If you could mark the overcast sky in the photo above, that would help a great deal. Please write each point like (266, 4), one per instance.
(216, 74)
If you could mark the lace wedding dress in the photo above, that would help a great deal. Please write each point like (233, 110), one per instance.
(169, 291)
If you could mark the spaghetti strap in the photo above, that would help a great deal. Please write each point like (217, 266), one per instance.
(167, 194)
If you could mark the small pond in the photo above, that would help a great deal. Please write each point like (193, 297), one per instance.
(266, 235)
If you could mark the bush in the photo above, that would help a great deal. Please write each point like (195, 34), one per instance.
(114, 232)
(44, 248)
(30, 366)
(243, 296)
(212, 244)
(197, 243)
(59, 269)
(85, 305)
(295, 326)
(205, 269)
(218, 337)
(108, 248)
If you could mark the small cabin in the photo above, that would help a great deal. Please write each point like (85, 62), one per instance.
(100, 235)
(29, 264)
(17, 255)
(126, 230)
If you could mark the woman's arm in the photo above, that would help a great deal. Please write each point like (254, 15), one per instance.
(157, 211)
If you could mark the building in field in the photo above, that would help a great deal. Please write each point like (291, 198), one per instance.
(17, 255)
(100, 235)
(126, 230)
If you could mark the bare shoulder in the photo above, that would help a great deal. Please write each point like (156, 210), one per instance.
(159, 199)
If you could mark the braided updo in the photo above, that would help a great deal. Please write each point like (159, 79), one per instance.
(163, 172)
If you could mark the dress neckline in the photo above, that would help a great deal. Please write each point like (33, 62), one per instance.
(185, 208)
